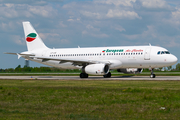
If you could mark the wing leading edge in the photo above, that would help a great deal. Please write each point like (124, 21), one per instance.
(74, 61)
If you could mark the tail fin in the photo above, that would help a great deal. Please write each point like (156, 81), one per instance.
(33, 40)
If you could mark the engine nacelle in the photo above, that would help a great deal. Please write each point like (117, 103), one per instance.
(130, 70)
(96, 69)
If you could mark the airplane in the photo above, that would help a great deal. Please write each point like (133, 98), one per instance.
(96, 60)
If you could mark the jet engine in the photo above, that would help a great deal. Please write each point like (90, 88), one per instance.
(96, 69)
(130, 70)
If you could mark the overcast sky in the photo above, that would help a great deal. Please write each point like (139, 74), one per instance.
(89, 23)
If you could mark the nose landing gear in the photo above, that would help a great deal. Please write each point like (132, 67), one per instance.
(152, 74)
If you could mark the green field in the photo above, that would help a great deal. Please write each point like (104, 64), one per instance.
(89, 100)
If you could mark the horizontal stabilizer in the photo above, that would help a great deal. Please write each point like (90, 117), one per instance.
(27, 54)
(11, 53)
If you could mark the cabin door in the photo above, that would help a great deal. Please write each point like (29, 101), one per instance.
(147, 54)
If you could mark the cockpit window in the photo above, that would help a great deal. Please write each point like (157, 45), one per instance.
(167, 52)
(163, 52)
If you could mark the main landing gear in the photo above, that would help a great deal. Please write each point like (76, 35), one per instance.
(83, 75)
(152, 74)
(107, 75)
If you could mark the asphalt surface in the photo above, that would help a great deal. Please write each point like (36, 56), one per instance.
(91, 78)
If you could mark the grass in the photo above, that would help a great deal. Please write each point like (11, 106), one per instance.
(89, 100)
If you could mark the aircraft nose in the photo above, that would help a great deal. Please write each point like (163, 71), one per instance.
(173, 59)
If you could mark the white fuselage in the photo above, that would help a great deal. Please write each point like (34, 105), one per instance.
(120, 56)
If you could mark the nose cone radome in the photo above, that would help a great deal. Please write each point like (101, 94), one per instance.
(173, 59)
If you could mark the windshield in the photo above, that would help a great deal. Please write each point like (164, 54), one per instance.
(163, 52)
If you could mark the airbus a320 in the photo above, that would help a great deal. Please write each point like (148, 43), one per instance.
(96, 60)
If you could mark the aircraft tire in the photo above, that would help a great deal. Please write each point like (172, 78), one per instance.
(83, 75)
(107, 75)
(152, 76)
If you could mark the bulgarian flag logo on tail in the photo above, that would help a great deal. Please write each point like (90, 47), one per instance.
(31, 37)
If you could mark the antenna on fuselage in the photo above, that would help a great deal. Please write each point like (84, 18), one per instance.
(149, 44)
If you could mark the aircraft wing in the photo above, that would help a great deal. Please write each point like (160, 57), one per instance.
(80, 62)
(74, 61)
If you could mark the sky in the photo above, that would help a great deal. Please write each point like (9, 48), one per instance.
(88, 23)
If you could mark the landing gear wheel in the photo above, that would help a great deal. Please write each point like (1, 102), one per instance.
(152, 76)
(107, 75)
(83, 75)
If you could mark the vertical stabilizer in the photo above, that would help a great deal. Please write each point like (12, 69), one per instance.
(33, 40)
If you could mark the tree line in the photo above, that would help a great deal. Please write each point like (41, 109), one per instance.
(52, 69)
(37, 69)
